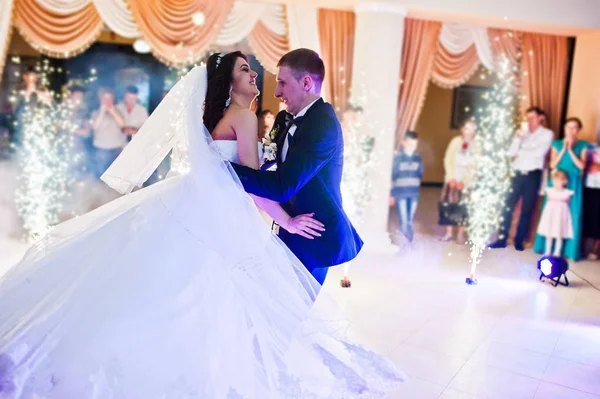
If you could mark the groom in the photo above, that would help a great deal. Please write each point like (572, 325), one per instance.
(310, 158)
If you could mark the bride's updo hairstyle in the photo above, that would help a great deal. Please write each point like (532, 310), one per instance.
(219, 68)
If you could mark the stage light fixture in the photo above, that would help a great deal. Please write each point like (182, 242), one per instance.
(553, 268)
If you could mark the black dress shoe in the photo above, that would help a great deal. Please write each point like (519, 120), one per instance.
(498, 244)
(519, 246)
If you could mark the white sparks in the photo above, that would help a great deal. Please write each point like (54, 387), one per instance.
(43, 155)
(492, 171)
(198, 18)
(358, 161)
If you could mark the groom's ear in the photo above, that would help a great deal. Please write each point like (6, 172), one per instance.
(307, 83)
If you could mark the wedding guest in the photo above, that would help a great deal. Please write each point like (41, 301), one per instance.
(265, 124)
(591, 202)
(134, 114)
(569, 155)
(32, 97)
(32, 90)
(544, 119)
(349, 119)
(109, 139)
(556, 224)
(528, 151)
(457, 165)
(79, 127)
(407, 173)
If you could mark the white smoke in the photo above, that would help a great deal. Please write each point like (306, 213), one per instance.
(85, 196)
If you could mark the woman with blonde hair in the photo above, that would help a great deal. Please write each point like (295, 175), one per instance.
(457, 162)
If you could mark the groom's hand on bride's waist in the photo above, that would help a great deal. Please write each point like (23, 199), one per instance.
(304, 225)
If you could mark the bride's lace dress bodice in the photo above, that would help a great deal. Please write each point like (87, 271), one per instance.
(228, 150)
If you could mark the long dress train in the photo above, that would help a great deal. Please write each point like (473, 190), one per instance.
(176, 291)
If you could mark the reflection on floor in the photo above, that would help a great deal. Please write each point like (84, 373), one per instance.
(509, 337)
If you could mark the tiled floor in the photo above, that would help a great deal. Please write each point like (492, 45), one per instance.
(509, 337)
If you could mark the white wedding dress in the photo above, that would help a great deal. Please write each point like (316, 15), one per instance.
(176, 291)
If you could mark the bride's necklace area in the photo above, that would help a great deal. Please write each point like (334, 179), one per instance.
(238, 105)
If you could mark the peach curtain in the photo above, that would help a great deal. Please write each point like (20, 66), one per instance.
(6, 27)
(452, 70)
(544, 75)
(506, 42)
(268, 46)
(543, 82)
(168, 26)
(336, 32)
(418, 55)
(57, 35)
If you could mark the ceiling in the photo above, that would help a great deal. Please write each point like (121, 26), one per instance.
(561, 17)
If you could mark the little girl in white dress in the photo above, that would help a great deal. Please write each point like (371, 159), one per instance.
(555, 223)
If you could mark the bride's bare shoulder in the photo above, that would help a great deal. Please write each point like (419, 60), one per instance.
(236, 122)
(244, 121)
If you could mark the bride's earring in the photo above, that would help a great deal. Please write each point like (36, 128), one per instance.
(228, 102)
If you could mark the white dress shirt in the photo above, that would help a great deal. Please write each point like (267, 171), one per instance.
(136, 117)
(593, 178)
(286, 144)
(108, 135)
(530, 151)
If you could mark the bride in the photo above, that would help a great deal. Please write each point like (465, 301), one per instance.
(180, 290)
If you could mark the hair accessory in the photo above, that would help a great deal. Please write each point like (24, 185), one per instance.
(219, 58)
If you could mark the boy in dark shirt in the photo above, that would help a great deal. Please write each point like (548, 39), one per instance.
(406, 182)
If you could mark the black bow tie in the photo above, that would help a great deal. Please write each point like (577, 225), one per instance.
(290, 120)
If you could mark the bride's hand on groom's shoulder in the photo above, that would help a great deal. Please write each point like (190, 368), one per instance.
(305, 225)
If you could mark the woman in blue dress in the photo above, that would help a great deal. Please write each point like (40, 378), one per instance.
(569, 155)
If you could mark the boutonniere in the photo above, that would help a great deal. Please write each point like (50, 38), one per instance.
(465, 146)
(270, 146)
(273, 134)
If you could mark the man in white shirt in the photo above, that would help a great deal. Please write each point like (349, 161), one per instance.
(109, 139)
(134, 114)
(529, 150)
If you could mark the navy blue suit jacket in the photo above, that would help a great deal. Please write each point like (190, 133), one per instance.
(309, 182)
